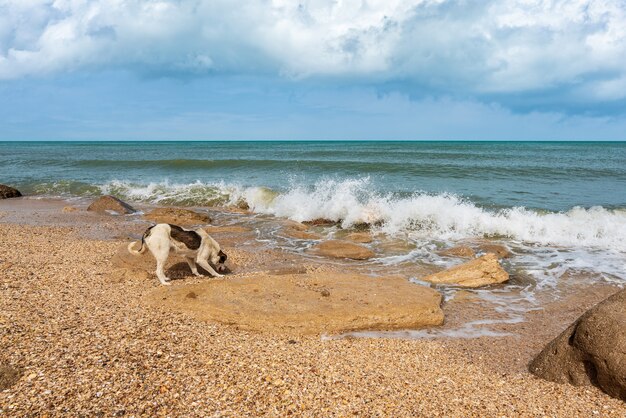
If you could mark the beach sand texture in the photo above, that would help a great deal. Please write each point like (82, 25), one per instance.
(88, 338)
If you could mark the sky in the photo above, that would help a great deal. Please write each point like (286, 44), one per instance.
(278, 69)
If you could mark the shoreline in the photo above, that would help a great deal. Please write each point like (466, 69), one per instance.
(85, 340)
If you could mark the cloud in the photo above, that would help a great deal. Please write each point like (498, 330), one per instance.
(576, 48)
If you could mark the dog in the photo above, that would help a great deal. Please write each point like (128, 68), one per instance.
(196, 246)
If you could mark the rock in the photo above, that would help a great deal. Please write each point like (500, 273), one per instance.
(500, 250)
(361, 237)
(110, 204)
(177, 216)
(458, 251)
(591, 351)
(9, 375)
(296, 225)
(479, 272)
(342, 249)
(292, 303)
(7, 192)
(299, 234)
(69, 209)
(321, 222)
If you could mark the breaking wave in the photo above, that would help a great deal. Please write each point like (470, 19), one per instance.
(356, 201)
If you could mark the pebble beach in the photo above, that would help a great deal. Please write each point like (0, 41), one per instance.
(81, 340)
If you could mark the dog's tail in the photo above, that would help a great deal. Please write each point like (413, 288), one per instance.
(133, 251)
(142, 249)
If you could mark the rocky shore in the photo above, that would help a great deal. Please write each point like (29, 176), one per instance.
(86, 330)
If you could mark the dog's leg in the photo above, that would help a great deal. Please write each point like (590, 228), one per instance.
(160, 250)
(192, 266)
(205, 265)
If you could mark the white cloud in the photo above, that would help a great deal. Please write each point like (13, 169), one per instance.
(472, 47)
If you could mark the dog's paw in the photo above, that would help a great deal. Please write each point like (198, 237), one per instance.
(166, 283)
(219, 275)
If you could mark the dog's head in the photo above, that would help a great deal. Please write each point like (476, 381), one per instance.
(218, 259)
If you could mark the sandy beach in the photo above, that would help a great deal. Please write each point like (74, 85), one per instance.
(83, 339)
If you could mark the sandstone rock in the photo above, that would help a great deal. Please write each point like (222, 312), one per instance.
(361, 237)
(499, 250)
(110, 204)
(342, 249)
(69, 209)
(299, 234)
(177, 216)
(296, 225)
(458, 251)
(591, 351)
(307, 303)
(7, 192)
(479, 272)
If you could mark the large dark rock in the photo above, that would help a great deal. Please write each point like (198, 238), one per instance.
(591, 351)
(7, 192)
(110, 204)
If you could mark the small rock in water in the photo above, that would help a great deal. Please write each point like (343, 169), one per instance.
(482, 271)
(500, 250)
(177, 216)
(7, 192)
(108, 204)
(342, 249)
(458, 251)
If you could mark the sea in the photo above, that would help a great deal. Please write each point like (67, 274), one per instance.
(559, 206)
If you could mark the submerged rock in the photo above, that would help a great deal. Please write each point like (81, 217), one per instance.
(110, 204)
(362, 237)
(300, 234)
(482, 271)
(321, 222)
(500, 250)
(177, 216)
(307, 303)
(342, 249)
(458, 251)
(7, 192)
(591, 351)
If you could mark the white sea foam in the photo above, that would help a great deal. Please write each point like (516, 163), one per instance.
(442, 216)
(419, 216)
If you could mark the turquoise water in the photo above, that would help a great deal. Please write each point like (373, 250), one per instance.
(550, 176)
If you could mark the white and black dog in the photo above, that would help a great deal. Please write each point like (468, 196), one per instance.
(196, 246)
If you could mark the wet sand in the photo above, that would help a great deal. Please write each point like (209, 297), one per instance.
(85, 341)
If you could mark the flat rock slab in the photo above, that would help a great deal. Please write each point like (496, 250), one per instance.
(110, 205)
(306, 303)
(177, 216)
(342, 249)
(481, 271)
(591, 351)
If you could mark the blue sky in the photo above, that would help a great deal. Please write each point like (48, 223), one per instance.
(413, 69)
